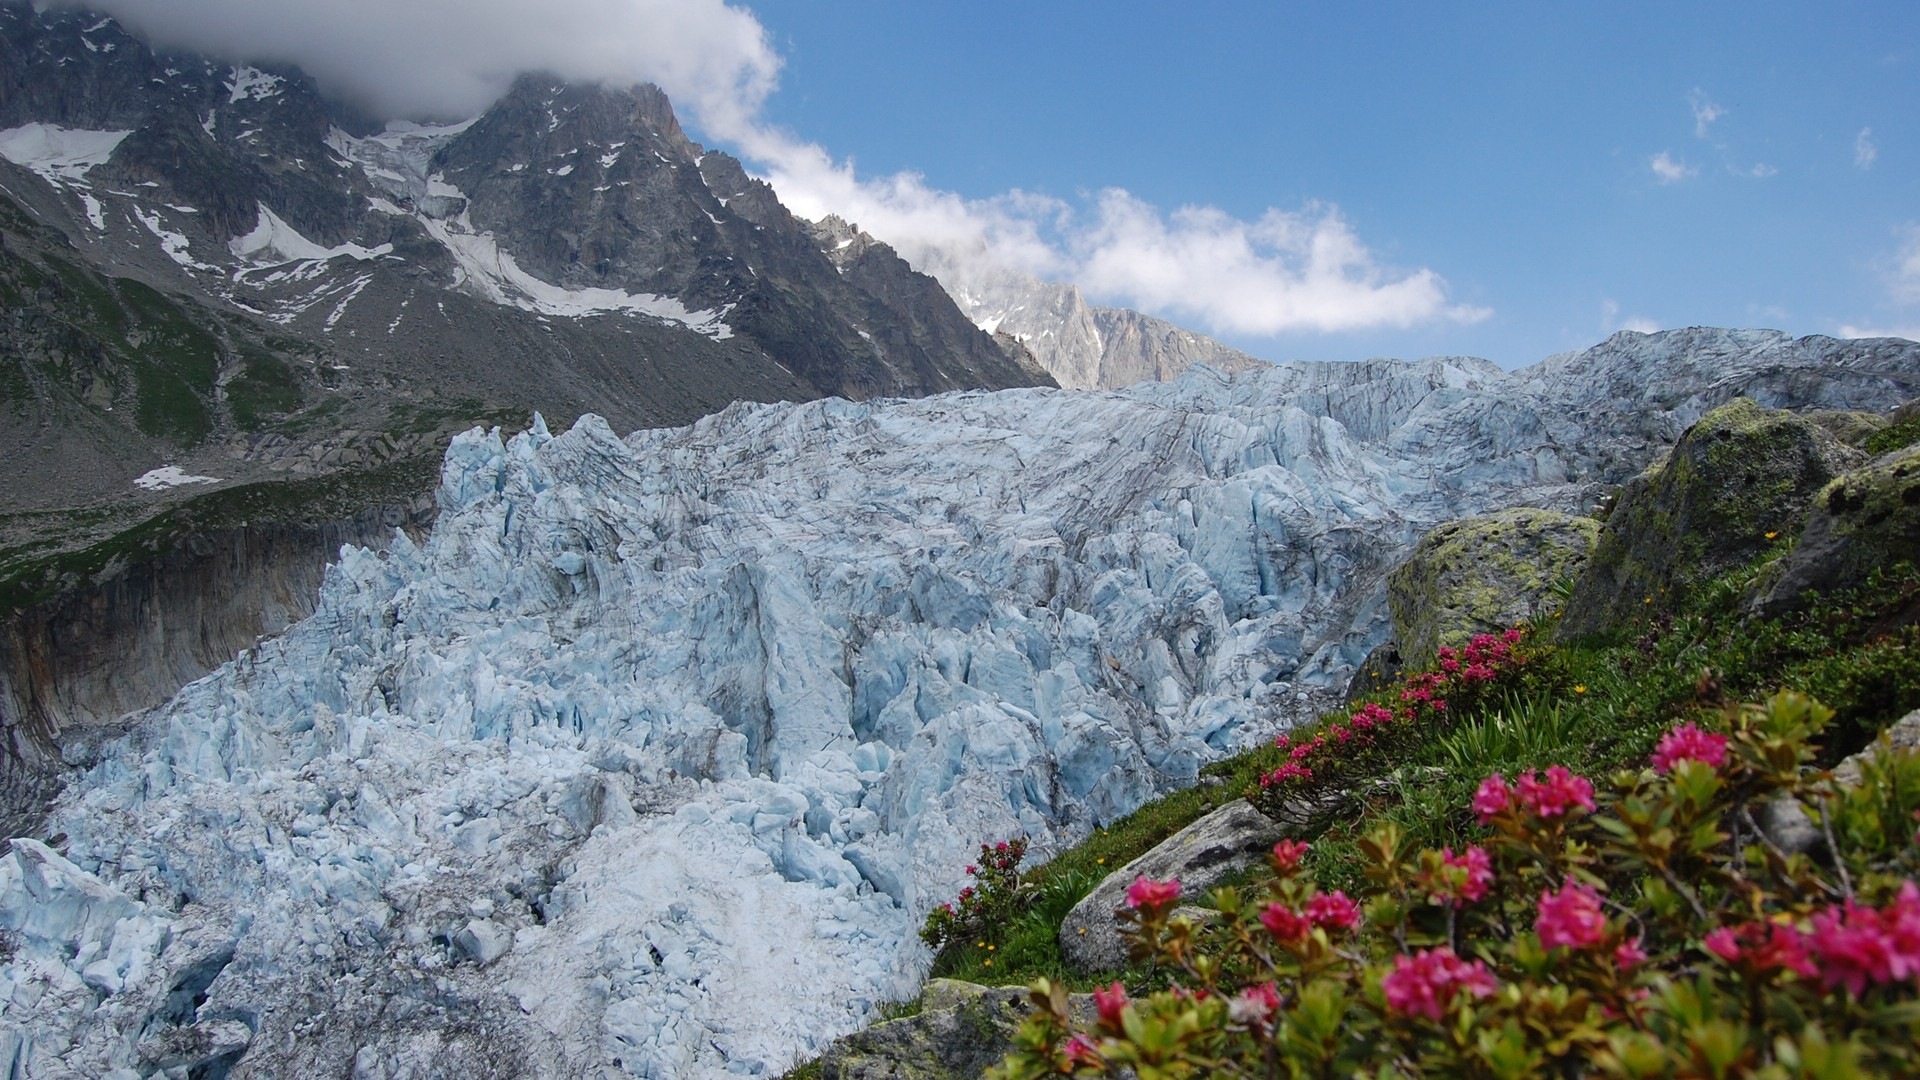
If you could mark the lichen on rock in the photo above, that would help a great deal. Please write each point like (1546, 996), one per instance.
(1736, 481)
(1862, 519)
(1482, 574)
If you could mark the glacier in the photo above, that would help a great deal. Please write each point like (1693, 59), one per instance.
(650, 759)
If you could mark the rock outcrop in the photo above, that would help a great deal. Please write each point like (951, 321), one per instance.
(1483, 574)
(961, 1030)
(1203, 854)
(1736, 481)
(1865, 518)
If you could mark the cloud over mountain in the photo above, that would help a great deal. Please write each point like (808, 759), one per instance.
(1288, 271)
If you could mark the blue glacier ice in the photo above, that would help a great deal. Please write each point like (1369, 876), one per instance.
(650, 760)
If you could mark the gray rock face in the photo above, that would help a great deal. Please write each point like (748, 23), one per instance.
(1201, 855)
(1865, 518)
(1736, 480)
(1082, 346)
(1479, 575)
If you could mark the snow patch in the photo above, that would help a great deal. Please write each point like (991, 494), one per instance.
(168, 476)
(251, 84)
(273, 242)
(58, 153)
(173, 243)
(495, 274)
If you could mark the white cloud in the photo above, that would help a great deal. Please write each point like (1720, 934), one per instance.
(1285, 271)
(1758, 171)
(1911, 333)
(1611, 320)
(1669, 171)
(1864, 150)
(1705, 112)
(451, 58)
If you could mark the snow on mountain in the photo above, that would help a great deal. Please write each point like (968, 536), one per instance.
(59, 154)
(651, 758)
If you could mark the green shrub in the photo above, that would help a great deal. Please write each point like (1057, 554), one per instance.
(1649, 930)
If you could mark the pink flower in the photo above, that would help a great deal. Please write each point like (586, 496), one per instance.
(1628, 954)
(1688, 743)
(1479, 673)
(1081, 1053)
(1723, 943)
(1148, 893)
(1464, 877)
(1254, 1004)
(1334, 910)
(1570, 917)
(1425, 983)
(1763, 947)
(972, 870)
(1512, 636)
(1111, 1002)
(1901, 920)
(1287, 855)
(1560, 791)
(1284, 924)
(1855, 946)
(1449, 665)
(1492, 799)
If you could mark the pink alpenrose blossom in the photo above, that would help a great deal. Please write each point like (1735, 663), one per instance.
(1555, 795)
(1284, 923)
(1628, 954)
(1111, 1002)
(1688, 743)
(1081, 1053)
(1425, 983)
(1334, 911)
(1465, 878)
(1493, 798)
(1148, 893)
(1254, 1004)
(1571, 917)
(1287, 855)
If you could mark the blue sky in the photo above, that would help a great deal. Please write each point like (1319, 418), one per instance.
(1514, 150)
(1327, 181)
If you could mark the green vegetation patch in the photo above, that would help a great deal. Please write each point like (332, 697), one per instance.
(27, 578)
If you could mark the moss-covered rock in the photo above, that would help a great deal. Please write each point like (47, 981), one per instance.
(961, 1030)
(1741, 477)
(1850, 426)
(1865, 518)
(1481, 574)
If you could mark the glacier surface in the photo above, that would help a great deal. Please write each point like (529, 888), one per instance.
(650, 759)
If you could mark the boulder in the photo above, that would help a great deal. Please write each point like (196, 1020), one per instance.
(1865, 518)
(1482, 574)
(1788, 824)
(961, 1030)
(1737, 479)
(1203, 854)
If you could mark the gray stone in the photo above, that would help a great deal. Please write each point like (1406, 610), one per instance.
(1863, 519)
(1787, 823)
(1736, 480)
(1201, 855)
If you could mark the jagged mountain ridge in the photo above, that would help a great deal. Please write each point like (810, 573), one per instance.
(649, 759)
(1084, 346)
(569, 249)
